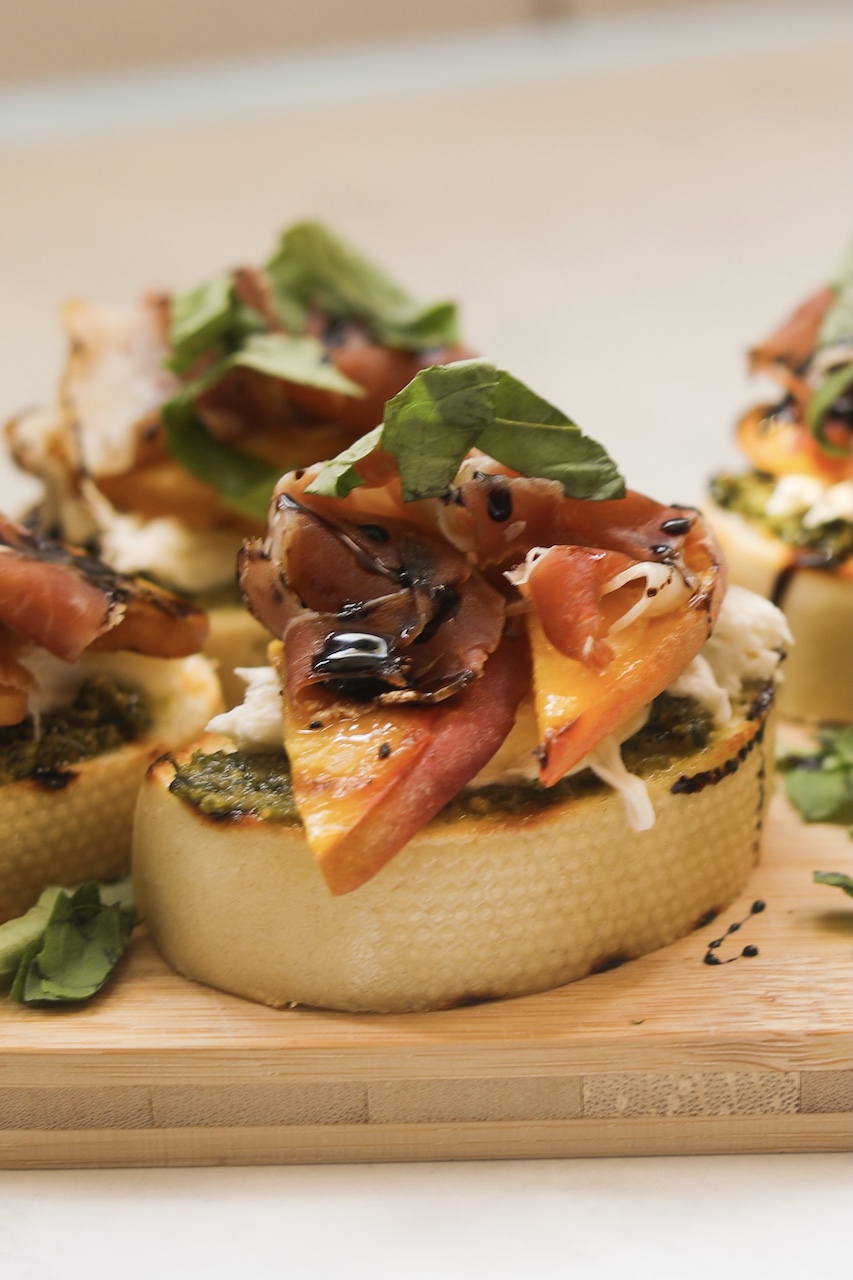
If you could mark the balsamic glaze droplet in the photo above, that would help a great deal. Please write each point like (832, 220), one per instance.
(499, 504)
(352, 651)
(748, 951)
(677, 525)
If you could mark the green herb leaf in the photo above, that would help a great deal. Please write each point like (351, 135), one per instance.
(339, 476)
(528, 432)
(83, 938)
(200, 318)
(837, 323)
(448, 409)
(293, 359)
(314, 268)
(18, 934)
(820, 784)
(245, 482)
(835, 384)
(837, 879)
(433, 422)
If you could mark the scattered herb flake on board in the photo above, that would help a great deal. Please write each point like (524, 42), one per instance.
(819, 781)
(75, 950)
(837, 879)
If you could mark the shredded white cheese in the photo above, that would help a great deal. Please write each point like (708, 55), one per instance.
(666, 588)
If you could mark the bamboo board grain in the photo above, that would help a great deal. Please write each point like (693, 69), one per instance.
(663, 1055)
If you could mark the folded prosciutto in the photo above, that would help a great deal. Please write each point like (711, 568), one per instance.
(424, 586)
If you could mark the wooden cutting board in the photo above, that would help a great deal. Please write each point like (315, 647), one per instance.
(663, 1055)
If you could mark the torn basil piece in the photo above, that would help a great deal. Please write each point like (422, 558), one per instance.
(837, 879)
(199, 319)
(525, 424)
(837, 324)
(18, 934)
(819, 783)
(434, 421)
(313, 268)
(447, 410)
(339, 476)
(835, 384)
(292, 359)
(244, 482)
(85, 935)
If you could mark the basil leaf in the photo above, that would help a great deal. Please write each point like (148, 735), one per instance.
(835, 384)
(820, 795)
(434, 421)
(315, 268)
(820, 785)
(199, 318)
(244, 482)
(837, 323)
(837, 879)
(448, 409)
(82, 941)
(339, 476)
(293, 359)
(18, 934)
(529, 432)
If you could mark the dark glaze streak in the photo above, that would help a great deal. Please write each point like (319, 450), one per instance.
(53, 779)
(710, 777)
(762, 702)
(749, 951)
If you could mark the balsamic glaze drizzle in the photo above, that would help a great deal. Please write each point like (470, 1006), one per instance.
(748, 951)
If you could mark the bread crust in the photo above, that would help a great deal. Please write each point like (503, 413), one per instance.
(78, 825)
(470, 909)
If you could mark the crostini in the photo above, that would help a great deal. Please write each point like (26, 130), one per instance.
(176, 415)
(786, 524)
(99, 674)
(514, 728)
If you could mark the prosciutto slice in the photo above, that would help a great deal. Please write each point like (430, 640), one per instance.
(66, 601)
(384, 610)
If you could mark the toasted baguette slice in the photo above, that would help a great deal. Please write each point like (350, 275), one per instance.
(472, 908)
(79, 827)
(818, 604)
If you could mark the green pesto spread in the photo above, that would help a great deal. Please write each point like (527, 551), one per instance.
(675, 727)
(748, 495)
(102, 717)
(228, 784)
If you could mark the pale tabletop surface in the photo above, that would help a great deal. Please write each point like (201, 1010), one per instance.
(622, 206)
